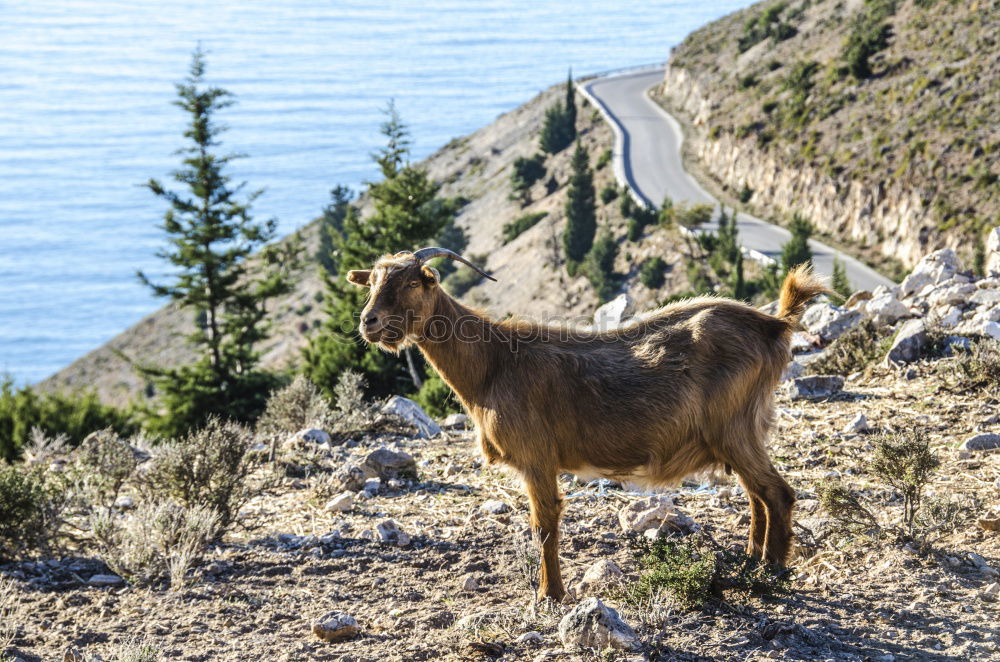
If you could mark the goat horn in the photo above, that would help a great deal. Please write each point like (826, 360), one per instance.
(425, 254)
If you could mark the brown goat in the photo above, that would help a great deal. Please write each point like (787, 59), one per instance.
(687, 388)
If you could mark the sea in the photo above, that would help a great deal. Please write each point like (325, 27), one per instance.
(86, 116)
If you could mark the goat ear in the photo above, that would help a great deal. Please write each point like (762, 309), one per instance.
(360, 277)
(431, 275)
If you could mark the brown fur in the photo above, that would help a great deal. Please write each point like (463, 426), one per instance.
(687, 388)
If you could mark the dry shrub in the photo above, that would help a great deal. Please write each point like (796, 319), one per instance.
(32, 503)
(156, 541)
(975, 369)
(10, 611)
(209, 467)
(904, 464)
(861, 347)
(102, 464)
(43, 449)
(294, 407)
(135, 649)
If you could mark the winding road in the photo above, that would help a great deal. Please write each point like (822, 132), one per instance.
(648, 158)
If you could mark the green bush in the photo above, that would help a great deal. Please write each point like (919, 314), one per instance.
(745, 194)
(75, 416)
(32, 502)
(599, 266)
(652, 272)
(521, 224)
(463, 280)
(604, 159)
(854, 351)
(691, 216)
(102, 464)
(868, 35)
(526, 172)
(209, 467)
(796, 250)
(609, 193)
(436, 397)
(679, 568)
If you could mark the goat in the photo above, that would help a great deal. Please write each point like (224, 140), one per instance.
(689, 387)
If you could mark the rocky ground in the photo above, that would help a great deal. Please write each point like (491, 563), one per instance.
(460, 549)
(403, 545)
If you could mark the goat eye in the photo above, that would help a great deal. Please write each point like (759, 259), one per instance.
(414, 283)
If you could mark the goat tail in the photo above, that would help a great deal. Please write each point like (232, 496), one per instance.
(800, 286)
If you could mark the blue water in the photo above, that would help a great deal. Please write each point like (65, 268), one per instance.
(86, 116)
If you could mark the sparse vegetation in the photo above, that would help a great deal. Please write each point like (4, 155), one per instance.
(796, 250)
(839, 282)
(526, 171)
(559, 129)
(599, 266)
(581, 213)
(856, 350)
(521, 224)
(652, 272)
(32, 503)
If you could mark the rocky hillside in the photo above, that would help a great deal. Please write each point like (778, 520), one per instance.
(874, 118)
(532, 280)
(398, 543)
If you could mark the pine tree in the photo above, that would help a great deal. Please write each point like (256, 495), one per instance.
(570, 108)
(407, 215)
(332, 224)
(212, 236)
(839, 282)
(581, 210)
(796, 250)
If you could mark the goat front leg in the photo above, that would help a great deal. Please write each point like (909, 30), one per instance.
(546, 507)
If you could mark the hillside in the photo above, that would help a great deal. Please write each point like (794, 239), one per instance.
(531, 279)
(877, 119)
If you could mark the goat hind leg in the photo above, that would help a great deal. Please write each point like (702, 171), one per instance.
(770, 535)
(546, 507)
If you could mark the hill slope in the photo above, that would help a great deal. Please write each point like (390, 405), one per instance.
(532, 279)
(897, 160)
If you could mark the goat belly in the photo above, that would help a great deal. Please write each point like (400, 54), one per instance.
(637, 475)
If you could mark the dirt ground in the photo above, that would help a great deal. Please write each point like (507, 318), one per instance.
(256, 596)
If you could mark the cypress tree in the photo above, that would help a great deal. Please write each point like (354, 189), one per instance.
(212, 236)
(796, 250)
(581, 211)
(570, 108)
(408, 213)
(840, 284)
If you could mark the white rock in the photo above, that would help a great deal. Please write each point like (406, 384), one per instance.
(614, 313)
(470, 584)
(341, 504)
(335, 626)
(592, 624)
(533, 638)
(991, 593)
(858, 424)
(494, 507)
(124, 502)
(981, 442)
(657, 512)
(934, 268)
(993, 252)
(991, 330)
(455, 421)
(950, 317)
(389, 532)
(886, 309)
(309, 436)
(386, 464)
(910, 339)
(413, 414)
(829, 322)
(372, 485)
(599, 577)
(106, 580)
(814, 387)
(989, 297)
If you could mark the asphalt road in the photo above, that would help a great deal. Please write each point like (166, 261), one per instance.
(651, 164)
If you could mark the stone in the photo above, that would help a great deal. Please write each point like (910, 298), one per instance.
(124, 502)
(455, 421)
(372, 486)
(312, 435)
(815, 387)
(792, 370)
(655, 512)
(412, 413)
(494, 507)
(829, 322)
(991, 330)
(886, 309)
(592, 624)
(599, 576)
(533, 638)
(390, 533)
(340, 504)
(73, 655)
(991, 593)
(857, 300)
(993, 251)
(804, 342)
(336, 626)
(934, 268)
(909, 341)
(989, 297)
(858, 424)
(614, 313)
(386, 464)
(949, 317)
(982, 442)
(351, 478)
(106, 580)
(470, 584)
